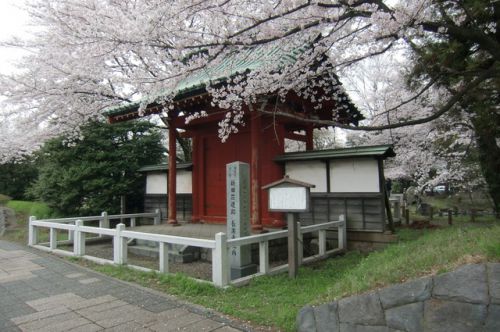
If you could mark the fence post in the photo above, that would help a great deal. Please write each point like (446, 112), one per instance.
(163, 250)
(402, 212)
(293, 255)
(119, 246)
(132, 222)
(322, 242)
(71, 236)
(300, 244)
(157, 218)
(53, 239)
(450, 218)
(32, 232)
(104, 222)
(342, 233)
(220, 261)
(79, 239)
(264, 257)
(397, 211)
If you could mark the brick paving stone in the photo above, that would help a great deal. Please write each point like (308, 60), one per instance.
(177, 323)
(39, 292)
(92, 302)
(160, 307)
(15, 311)
(226, 329)
(173, 313)
(40, 315)
(128, 327)
(89, 281)
(30, 296)
(8, 326)
(65, 299)
(63, 326)
(114, 321)
(87, 328)
(138, 316)
(42, 323)
(202, 325)
(99, 308)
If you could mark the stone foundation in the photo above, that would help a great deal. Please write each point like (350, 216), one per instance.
(467, 299)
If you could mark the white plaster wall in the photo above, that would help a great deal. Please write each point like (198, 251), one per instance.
(354, 175)
(184, 182)
(157, 183)
(313, 172)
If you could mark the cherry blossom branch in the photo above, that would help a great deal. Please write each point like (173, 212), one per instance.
(460, 93)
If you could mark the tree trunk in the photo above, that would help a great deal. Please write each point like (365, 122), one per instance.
(486, 124)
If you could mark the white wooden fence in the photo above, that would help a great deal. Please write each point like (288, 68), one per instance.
(220, 246)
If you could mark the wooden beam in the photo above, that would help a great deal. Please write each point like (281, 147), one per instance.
(187, 134)
(172, 173)
(195, 218)
(385, 197)
(309, 138)
(296, 137)
(255, 133)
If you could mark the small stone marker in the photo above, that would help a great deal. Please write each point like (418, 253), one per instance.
(238, 217)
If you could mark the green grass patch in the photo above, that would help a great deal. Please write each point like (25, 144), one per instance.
(275, 300)
(18, 231)
(38, 209)
(461, 201)
(4, 199)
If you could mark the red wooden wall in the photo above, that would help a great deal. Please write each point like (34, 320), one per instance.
(210, 157)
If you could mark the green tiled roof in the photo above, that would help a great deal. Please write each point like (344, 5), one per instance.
(381, 151)
(237, 63)
(164, 167)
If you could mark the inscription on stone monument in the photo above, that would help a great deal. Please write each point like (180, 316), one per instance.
(238, 214)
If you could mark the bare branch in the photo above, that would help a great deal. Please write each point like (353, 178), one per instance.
(466, 89)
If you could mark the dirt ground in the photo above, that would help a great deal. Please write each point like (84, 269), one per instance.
(199, 269)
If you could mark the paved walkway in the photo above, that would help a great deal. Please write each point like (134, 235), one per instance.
(39, 292)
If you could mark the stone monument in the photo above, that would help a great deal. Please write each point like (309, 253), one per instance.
(238, 217)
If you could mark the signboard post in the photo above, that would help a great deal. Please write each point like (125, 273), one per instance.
(238, 217)
(290, 196)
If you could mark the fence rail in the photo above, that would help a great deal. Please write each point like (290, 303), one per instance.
(220, 246)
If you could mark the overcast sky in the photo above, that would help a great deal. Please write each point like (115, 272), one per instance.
(12, 23)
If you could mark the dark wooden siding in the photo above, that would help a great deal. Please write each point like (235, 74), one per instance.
(184, 205)
(363, 211)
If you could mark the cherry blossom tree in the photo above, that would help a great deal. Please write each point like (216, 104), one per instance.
(87, 55)
(440, 151)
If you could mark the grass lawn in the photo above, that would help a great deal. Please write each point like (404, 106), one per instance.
(275, 300)
(460, 201)
(26, 209)
(18, 232)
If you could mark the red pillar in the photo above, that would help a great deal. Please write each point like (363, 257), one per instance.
(255, 133)
(197, 172)
(172, 174)
(199, 186)
(309, 139)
